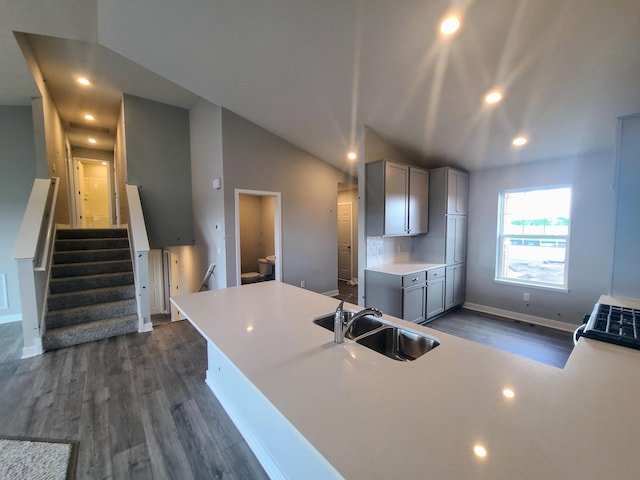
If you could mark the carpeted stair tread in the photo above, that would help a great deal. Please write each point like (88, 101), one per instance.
(89, 313)
(58, 301)
(87, 282)
(91, 288)
(68, 233)
(90, 243)
(89, 332)
(86, 256)
(88, 268)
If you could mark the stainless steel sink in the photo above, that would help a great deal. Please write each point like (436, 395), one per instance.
(398, 343)
(360, 326)
(394, 342)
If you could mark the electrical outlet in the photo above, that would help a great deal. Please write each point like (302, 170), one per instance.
(525, 297)
(303, 283)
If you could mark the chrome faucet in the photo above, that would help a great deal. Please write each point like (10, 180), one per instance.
(341, 324)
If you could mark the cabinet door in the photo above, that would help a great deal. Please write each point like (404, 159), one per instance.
(413, 303)
(456, 241)
(396, 185)
(435, 298)
(418, 201)
(457, 188)
(455, 286)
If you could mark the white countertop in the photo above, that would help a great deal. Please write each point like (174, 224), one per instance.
(406, 268)
(373, 417)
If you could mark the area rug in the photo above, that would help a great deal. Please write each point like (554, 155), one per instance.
(37, 458)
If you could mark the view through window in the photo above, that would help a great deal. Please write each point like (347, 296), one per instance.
(533, 236)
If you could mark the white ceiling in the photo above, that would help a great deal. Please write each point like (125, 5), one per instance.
(315, 71)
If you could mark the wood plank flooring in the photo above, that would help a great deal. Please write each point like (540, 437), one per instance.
(137, 404)
(535, 342)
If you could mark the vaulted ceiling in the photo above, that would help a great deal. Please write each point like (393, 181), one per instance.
(314, 72)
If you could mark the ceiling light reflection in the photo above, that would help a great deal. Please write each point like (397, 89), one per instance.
(83, 81)
(520, 141)
(93, 140)
(89, 117)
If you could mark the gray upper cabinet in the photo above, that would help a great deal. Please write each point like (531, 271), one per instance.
(418, 201)
(446, 241)
(457, 188)
(396, 191)
(397, 199)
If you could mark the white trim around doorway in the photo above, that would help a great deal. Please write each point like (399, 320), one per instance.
(277, 229)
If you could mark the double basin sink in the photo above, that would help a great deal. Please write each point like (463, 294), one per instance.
(389, 340)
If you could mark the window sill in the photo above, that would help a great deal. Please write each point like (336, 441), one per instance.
(537, 286)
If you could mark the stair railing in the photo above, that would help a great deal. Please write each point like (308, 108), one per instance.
(140, 251)
(33, 252)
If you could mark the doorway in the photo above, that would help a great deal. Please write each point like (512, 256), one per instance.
(348, 239)
(93, 188)
(258, 233)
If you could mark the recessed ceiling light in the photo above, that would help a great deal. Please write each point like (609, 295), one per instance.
(352, 155)
(93, 140)
(83, 81)
(450, 25)
(520, 141)
(89, 117)
(480, 451)
(508, 393)
(493, 96)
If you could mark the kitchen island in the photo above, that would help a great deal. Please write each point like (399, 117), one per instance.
(310, 408)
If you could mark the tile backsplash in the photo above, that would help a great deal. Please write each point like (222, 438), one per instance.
(383, 250)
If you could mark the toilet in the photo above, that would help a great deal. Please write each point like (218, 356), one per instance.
(264, 267)
(264, 271)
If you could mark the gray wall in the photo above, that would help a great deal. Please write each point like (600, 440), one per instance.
(256, 159)
(591, 237)
(158, 161)
(208, 204)
(17, 157)
(625, 281)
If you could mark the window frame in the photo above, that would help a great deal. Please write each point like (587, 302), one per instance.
(501, 236)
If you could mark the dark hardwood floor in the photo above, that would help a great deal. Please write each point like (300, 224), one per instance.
(535, 342)
(137, 404)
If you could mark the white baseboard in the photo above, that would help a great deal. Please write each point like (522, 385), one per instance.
(33, 350)
(16, 317)
(523, 317)
(331, 293)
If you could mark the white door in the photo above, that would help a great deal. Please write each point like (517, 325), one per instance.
(172, 272)
(156, 290)
(93, 198)
(344, 241)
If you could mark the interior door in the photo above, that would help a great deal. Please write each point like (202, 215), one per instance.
(93, 192)
(345, 219)
(173, 284)
(156, 290)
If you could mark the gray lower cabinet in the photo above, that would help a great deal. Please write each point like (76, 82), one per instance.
(413, 297)
(455, 285)
(435, 293)
(413, 302)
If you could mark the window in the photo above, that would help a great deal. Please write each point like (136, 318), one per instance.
(533, 236)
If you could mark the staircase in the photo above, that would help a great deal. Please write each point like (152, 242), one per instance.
(91, 290)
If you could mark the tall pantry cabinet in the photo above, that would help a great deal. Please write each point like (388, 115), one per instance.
(446, 241)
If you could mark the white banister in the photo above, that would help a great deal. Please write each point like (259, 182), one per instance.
(33, 255)
(140, 250)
